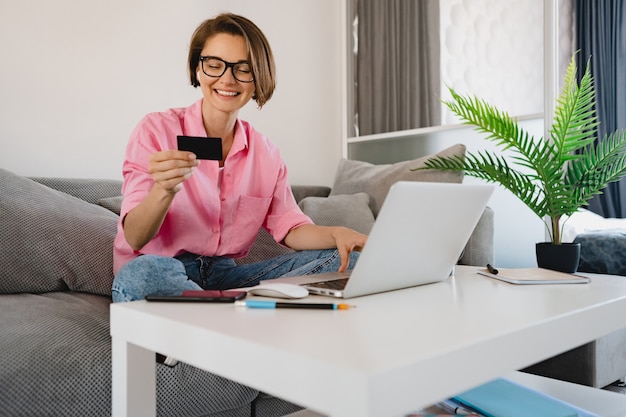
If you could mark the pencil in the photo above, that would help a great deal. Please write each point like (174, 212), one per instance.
(278, 304)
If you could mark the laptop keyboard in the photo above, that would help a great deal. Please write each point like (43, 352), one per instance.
(334, 284)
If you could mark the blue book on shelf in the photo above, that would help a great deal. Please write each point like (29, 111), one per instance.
(504, 398)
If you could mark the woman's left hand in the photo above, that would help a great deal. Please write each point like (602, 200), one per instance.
(347, 240)
(312, 237)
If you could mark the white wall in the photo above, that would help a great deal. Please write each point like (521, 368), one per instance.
(76, 77)
(488, 49)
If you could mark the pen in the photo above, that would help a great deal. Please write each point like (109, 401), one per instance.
(491, 269)
(275, 304)
(454, 408)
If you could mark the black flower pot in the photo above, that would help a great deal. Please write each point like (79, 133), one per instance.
(563, 257)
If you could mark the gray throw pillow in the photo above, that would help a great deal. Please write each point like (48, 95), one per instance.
(112, 203)
(349, 210)
(51, 241)
(357, 176)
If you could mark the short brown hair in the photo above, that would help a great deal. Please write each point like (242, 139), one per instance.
(260, 54)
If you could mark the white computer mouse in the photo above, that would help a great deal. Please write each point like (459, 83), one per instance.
(279, 290)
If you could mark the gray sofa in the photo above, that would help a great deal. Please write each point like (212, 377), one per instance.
(55, 290)
(596, 364)
(603, 361)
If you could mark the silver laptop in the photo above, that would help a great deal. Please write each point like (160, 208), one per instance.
(418, 237)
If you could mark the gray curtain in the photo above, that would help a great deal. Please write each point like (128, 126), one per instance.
(601, 35)
(397, 65)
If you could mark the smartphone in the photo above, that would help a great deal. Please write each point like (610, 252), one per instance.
(201, 296)
(204, 148)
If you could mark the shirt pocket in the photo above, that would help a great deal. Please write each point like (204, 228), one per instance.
(248, 219)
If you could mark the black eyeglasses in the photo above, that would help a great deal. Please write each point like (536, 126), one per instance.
(216, 67)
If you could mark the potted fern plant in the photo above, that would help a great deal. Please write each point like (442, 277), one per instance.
(553, 176)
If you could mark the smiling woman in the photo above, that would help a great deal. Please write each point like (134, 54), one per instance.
(225, 94)
(190, 219)
(256, 56)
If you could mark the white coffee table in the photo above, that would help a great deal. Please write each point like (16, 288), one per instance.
(393, 353)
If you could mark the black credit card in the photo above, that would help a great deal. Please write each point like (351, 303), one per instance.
(204, 148)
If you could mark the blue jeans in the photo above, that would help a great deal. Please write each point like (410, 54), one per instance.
(152, 274)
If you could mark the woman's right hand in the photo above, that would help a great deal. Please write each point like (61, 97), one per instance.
(169, 169)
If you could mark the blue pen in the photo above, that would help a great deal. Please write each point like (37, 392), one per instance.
(276, 304)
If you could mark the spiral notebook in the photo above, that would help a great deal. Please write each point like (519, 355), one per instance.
(504, 398)
(534, 276)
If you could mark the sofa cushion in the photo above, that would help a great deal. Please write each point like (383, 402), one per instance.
(302, 191)
(112, 203)
(56, 353)
(87, 189)
(56, 350)
(602, 252)
(375, 180)
(349, 210)
(51, 241)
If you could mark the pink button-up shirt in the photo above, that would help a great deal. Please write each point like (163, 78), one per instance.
(207, 218)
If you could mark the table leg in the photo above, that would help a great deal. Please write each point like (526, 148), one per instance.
(133, 379)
